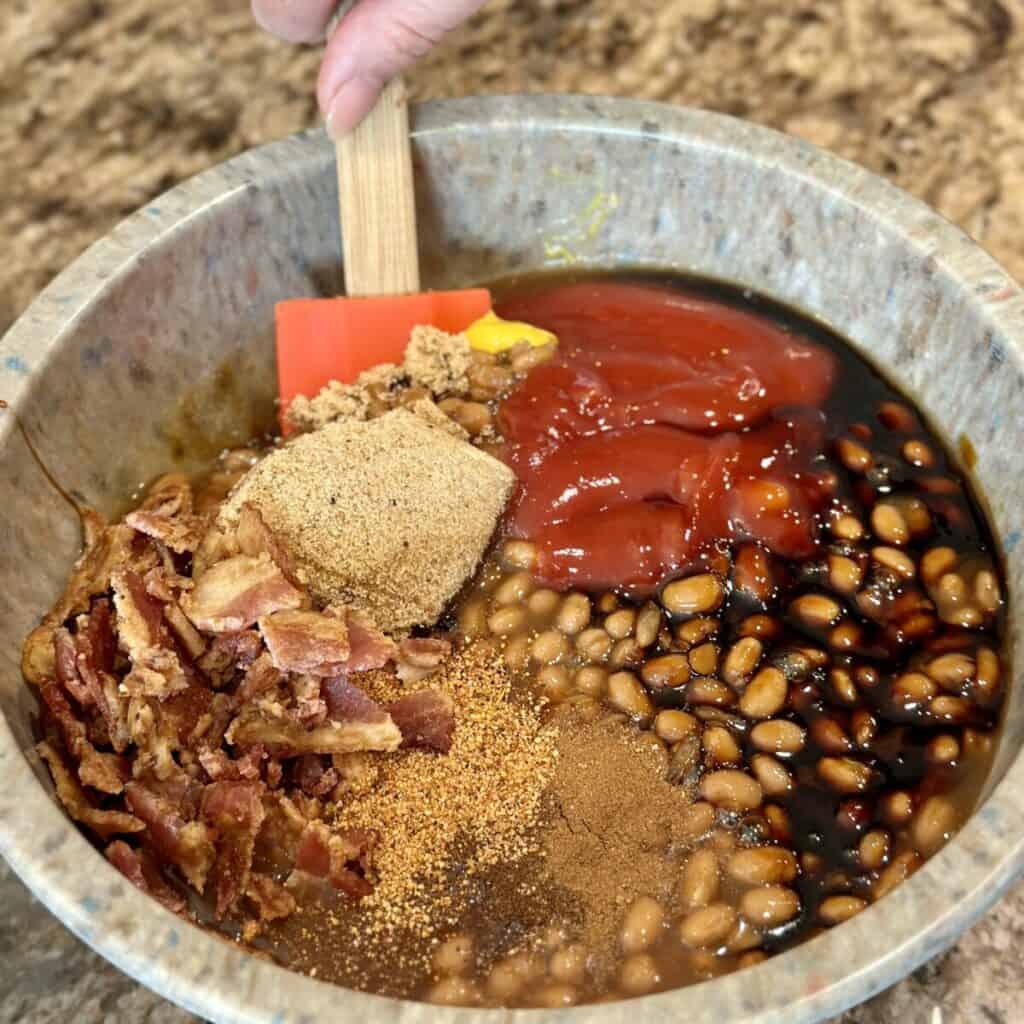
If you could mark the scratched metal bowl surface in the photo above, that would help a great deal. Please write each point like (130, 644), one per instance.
(156, 348)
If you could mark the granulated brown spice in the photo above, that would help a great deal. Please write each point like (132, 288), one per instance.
(435, 361)
(390, 515)
(617, 828)
(443, 822)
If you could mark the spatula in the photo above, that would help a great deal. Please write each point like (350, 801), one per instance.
(320, 340)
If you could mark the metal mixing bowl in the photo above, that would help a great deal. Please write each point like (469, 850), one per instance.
(155, 348)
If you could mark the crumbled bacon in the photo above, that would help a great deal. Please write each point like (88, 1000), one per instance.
(260, 677)
(189, 637)
(181, 533)
(278, 839)
(419, 657)
(254, 537)
(310, 707)
(285, 736)
(228, 652)
(306, 641)
(313, 775)
(77, 803)
(186, 844)
(235, 811)
(166, 584)
(212, 724)
(272, 900)
(220, 767)
(426, 719)
(343, 858)
(169, 495)
(369, 647)
(139, 867)
(235, 593)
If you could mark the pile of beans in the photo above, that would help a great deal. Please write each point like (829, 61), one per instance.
(832, 719)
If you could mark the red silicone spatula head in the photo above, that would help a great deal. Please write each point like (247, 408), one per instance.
(319, 340)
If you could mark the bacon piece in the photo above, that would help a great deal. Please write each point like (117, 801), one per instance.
(104, 772)
(139, 867)
(426, 719)
(278, 839)
(188, 636)
(181, 532)
(369, 647)
(230, 651)
(285, 736)
(66, 663)
(313, 776)
(157, 671)
(95, 647)
(254, 537)
(260, 677)
(106, 549)
(222, 768)
(186, 844)
(166, 584)
(307, 642)
(419, 657)
(342, 858)
(310, 707)
(235, 593)
(273, 901)
(235, 811)
(169, 495)
(77, 803)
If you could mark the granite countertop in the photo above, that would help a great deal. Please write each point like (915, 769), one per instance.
(107, 105)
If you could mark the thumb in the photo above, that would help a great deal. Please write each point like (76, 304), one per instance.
(375, 41)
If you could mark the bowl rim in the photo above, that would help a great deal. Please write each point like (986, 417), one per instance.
(218, 981)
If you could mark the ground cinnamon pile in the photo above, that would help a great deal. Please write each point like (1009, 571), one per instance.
(617, 828)
(443, 822)
(435, 366)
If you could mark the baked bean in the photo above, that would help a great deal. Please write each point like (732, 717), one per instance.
(473, 618)
(769, 906)
(507, 977)
(639, 974)
(642, 925)
(811, 863)
(765, 694)
(918, 454)
(863, 728)
(473, 417)
(508, 620)
(550, 647)
(741, 660)
(933, 825)
(517, 653)
(895, 560)
(847, 527)
(829, 735)
(648, 624)
(817, 611)
(531, 357)
(591, 680)
(694, 595)
(626, 693)
(976, 743)
(944, 750)
(704, 659)
(987, 674)
(555, 995)
(720, 745)
(951, 671)
(844, 774)
(888, 523)
(763, 865)
(913, 688)
(896, 808)
(843, 685)
(775, 780)
(836, 909)
(488, 381)
(695, 631)
(762, 627)
(554, 681)
(710, 691)
(896, 416)
(744, 936)
(594, 644)
(844, 574)
(519, 554)
(669, 670)
(752, 958)
(950, 709)
(574, 614)
(901, 868)
(752, 573)
(698, 886)
(607, 602)
(454, 955)
(454, 992)
(697, 819)
(778, 736)
(854, 456)
(620, 624)
(847, 636)
(732, 789)
(708, 927)
(937, 562)
(626, 653)
(987, 592)
(569, 964)
(543, 603)
(672, 725)
(873, 850)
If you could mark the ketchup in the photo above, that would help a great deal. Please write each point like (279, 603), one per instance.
(666, 422)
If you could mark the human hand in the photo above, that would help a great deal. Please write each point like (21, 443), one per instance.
(374, 41)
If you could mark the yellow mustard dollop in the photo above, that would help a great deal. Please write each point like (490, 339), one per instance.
(492, 334)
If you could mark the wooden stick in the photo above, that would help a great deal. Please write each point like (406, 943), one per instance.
(376, 199)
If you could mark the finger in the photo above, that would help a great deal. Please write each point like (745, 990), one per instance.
(377, 40)
(298, 21)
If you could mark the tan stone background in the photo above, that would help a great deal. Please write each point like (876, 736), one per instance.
(106, 103)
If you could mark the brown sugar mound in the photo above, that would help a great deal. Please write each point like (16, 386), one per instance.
(390, 515)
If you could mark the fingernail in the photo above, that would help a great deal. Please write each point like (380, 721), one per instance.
(350, 103)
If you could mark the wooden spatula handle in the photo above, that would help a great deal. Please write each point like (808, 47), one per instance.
(378, 207)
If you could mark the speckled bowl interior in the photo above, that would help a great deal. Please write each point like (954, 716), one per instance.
(155, 349)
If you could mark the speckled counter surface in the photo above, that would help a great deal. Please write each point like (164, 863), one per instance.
(48, 977)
